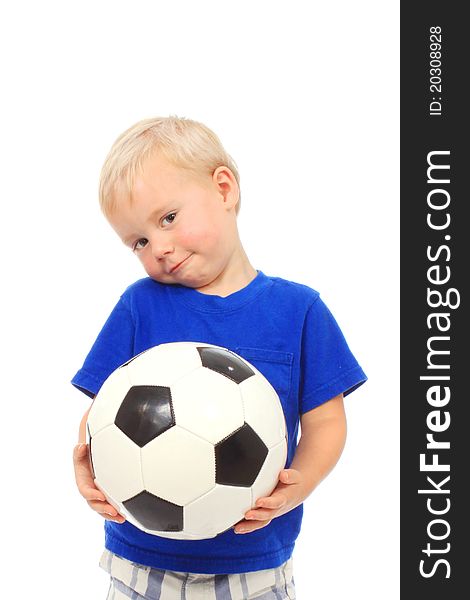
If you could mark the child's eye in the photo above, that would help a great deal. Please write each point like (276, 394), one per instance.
(140, 244)
(169, 218)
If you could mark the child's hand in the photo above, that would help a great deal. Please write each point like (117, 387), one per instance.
(286, 495)
(86, 486)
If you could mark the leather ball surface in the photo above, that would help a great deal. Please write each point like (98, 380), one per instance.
(184, 438)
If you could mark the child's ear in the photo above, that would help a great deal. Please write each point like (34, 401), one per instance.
(227, 185)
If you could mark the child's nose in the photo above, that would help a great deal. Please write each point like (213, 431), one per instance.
(160, 252)
(161, 247)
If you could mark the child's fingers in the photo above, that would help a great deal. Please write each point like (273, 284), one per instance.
(116, 518)
(249, 526)
(84, 476)
(265, 513)
(81, 463)
(267, 508)
(106, 510)
(86, 486)
(260, 515)
(80, 452)
(113, 515)
(90, 492)
(290, 476)
(273, 502)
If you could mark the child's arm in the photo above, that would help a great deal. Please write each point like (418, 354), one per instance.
(323, 434)
(84, 478)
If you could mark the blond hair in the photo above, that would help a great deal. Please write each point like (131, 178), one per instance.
(185, 143)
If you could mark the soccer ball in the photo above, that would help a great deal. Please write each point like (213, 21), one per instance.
(184, 438)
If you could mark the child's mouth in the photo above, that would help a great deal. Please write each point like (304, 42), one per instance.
(179, 264)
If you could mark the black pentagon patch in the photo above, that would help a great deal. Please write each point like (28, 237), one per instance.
(145, 413)
(239, 457)
(154, 513)
(226, 363)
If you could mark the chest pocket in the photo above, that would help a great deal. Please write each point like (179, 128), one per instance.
(275, 365)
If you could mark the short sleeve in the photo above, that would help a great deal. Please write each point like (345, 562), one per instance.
(328, 367)
(113, 347)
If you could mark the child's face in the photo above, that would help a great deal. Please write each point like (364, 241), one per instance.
(181, 226)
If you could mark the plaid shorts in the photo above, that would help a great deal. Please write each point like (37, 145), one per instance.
(131, 580)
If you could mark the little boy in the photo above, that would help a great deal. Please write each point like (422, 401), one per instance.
(171, 193)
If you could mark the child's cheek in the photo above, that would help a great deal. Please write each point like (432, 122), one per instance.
(197, 241)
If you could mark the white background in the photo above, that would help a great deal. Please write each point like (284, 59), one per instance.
(304, 96)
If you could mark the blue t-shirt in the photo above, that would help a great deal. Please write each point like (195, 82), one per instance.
(285, 330)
